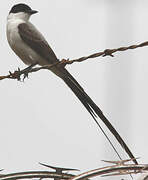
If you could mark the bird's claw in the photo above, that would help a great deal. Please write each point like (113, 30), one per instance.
(25, 75)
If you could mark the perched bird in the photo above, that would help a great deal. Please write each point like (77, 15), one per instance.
(32, 48)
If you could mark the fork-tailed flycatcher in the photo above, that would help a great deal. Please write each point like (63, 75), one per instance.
(30, 45)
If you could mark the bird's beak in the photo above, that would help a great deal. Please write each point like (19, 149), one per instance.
(32, 12)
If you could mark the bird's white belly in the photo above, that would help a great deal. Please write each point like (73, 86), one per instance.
(26, 54)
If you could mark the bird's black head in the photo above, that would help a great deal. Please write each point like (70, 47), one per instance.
(22, 8)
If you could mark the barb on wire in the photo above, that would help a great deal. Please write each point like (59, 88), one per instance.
(107, 52)
(58, 169)
(118, 168)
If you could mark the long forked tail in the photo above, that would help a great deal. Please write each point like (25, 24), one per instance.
(95, 111)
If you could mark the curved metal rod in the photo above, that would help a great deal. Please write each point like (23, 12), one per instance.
(35, 174)
(115, 169)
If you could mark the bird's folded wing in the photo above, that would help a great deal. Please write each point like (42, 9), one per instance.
(35, 40)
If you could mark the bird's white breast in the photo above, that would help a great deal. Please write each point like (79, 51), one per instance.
(26, 54)
(12, 31)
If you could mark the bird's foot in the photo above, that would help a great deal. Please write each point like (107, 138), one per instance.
(26, 71)
(17, 74)
(25, 75)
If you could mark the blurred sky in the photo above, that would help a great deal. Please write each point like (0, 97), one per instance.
(42, 120)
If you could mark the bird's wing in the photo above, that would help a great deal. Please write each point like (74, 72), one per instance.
(35, 40)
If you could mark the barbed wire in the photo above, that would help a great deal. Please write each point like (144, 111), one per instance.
(117, 168)
(35, 174)
(107, 52)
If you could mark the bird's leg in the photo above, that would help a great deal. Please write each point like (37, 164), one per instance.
(27, 70)
(30, 67)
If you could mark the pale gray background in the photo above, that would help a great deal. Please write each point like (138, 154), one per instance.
(41, 119)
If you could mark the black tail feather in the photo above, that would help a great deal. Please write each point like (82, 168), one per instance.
(95, 111)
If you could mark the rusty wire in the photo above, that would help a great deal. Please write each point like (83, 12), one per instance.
(107, 52)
